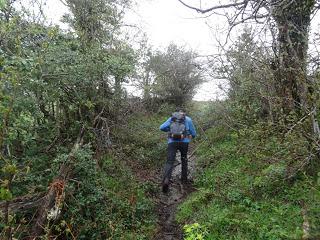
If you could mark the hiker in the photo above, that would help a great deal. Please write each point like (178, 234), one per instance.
(180, 132)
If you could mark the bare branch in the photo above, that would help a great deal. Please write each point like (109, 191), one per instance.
(255, 17)
(64, 3)
(215, 7)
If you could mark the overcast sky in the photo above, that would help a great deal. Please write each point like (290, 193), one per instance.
(166, 21)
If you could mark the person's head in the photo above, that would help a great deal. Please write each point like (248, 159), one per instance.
(181, 110)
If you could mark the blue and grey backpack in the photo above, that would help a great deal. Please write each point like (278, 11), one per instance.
(178, 129)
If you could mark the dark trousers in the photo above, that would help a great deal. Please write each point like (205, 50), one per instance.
(171, 156)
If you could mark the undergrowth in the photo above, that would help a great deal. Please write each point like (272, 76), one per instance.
(101, 202)
(108, 204)
(105, 198)
(250, 187)
(141, 141)
(114, 202)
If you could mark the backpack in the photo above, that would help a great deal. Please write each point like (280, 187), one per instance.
(177, 126)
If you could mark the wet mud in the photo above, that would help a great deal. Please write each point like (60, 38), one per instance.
(168, 228)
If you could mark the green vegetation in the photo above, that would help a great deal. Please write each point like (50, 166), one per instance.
(142, 141)
(105, 197)
(70, 140)
(78, 154)
(113, 196)
(245, 190)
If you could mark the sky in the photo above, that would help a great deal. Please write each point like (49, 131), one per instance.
(168, 21)
(164, 21)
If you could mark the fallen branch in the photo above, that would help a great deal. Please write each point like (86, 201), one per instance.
(23, 203)
(51, 203)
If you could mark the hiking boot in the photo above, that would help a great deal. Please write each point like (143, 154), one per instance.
(165, 185)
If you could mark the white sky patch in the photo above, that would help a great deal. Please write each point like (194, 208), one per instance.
(168, 21)
(212, 90)
(54, 10)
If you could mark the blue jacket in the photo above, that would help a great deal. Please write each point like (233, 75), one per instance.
(189, 126)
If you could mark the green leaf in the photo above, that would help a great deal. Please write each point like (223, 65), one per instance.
(2, 4)
(5, 194)
(10, 169)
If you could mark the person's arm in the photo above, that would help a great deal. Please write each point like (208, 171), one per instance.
(166, 125)
(192, 129)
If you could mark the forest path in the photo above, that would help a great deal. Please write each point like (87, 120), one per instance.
(168, 228)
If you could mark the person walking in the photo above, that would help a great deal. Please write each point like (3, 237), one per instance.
(180, 130)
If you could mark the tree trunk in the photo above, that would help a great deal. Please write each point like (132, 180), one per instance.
(298, 95)
(117, 88)
(293, 22)
(146, 87)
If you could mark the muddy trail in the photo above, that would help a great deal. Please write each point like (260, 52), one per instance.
(168, 228)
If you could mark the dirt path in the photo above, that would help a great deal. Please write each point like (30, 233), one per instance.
(168, 202)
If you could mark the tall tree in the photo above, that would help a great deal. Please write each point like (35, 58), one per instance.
(96, 20)
(246, 67)
(177, 74)
(97, 24)
(292, 19)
